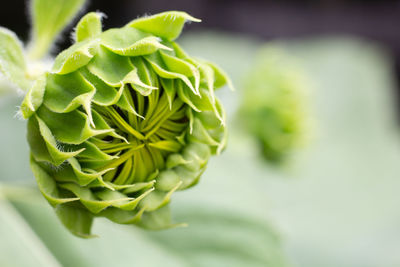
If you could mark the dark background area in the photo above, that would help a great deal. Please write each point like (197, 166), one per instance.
(376, 20)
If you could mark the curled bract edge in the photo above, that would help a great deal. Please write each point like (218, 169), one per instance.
(123, 120)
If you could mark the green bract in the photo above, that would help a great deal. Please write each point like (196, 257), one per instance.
(274, 108)
(124, 118)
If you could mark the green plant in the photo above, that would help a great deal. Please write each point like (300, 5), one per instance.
(123, 118)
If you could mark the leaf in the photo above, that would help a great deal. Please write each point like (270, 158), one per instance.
(169, 89)
(167, 25)
(44, 147)
(49, 18)
(78, 221)
(158, 199)
(12, 59)
(89, 200)
(131, 42)
(74, 173)
(47, 185)
(184, 94)
(220, 238)
(22, 247)
(109, 67)
(76, 56)
(65, 93)
(221, 78)
(88, 27)
(134, 79)
(145, 72)
(60, 125)
(167, 180)
(213, 237)
(161, 70)
(178, 65)
(159, 219)
(105, 95)
(55, 248)
(34, 97)
(174, 160)
(90, 151)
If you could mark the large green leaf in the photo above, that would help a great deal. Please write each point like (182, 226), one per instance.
(213, 238)
(49, 17)
(19, 245)
(221, 238)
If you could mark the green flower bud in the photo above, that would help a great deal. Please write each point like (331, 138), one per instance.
(124, 119)
(274, 107)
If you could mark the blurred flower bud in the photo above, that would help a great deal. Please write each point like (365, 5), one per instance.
(274, 107)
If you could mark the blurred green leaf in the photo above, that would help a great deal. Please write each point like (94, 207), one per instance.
(214, 238)
(12, 59)
(49, 18)
(221, 238)
(19, 245)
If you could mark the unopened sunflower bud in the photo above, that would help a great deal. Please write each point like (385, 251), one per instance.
(124, 119)
(274, 108)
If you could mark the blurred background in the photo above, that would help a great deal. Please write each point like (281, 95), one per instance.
(335, 202)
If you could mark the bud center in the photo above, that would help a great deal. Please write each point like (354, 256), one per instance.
(147, 128)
